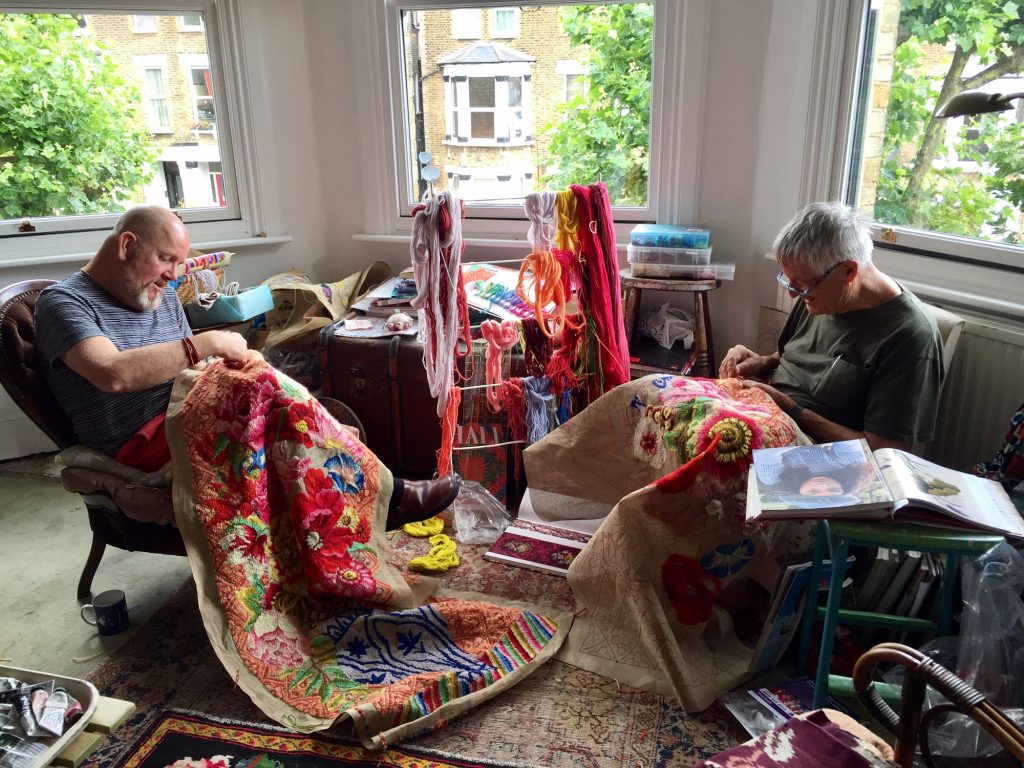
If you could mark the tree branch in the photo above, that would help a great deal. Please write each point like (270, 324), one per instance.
(1008, 65)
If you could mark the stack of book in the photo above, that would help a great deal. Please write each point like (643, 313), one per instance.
(393, 295)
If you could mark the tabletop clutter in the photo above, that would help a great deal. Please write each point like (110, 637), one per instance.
(31, 717)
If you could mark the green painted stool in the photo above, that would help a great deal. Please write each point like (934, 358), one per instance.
(839, 536)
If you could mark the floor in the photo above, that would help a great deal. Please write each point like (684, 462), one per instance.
(45, 541)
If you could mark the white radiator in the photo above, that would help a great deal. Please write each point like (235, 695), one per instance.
(983, 390)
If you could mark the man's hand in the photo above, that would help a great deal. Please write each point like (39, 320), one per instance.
(785, 402)
(743, 363)
(226, 344)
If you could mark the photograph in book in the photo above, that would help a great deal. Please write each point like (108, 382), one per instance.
(846, 481)
(761, 709)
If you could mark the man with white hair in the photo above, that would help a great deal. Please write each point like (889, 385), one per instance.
(859, 357)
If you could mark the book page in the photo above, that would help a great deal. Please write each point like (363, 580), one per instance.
(973, 500)
(839, 477)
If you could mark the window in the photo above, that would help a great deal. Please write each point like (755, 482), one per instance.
(153, 139)
(504, 22)
(190, 22)
(142, 23)
(574, 79)
(499, 114)
(931, 184)
(467, 23)
(202, 98)
(152, 71)
(487, 109)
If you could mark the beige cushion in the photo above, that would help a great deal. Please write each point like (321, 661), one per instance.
(141, 496)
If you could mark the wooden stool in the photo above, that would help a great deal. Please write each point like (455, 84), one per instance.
(701, 360)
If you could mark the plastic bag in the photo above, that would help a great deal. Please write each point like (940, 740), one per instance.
(667, 325)
(988, 653)
(479, 518)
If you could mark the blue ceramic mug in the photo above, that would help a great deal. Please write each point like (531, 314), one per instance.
(109, 612)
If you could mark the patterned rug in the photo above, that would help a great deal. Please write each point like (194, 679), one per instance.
(188, 740)
(560, 716)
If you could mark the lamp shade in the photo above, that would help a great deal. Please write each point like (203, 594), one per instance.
(975, 103)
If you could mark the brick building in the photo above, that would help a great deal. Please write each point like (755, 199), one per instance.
(165, 58)
(491, 80)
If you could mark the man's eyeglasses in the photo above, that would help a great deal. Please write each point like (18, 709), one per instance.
(803, 293)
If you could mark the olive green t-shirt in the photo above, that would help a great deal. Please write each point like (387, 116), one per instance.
(875, 370)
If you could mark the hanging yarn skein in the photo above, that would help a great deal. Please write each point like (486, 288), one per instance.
(436, 252)
(539, 405)
(499, 337)
(540, 212)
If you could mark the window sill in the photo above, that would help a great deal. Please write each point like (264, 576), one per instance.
(208, 246)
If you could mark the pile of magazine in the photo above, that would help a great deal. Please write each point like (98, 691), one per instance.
(31, 717)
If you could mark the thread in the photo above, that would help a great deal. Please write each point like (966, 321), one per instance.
(540, 212)
(449, 419)
(442, 556)
(566, 235)
(513, 396)
(539, 404)
(429, 527)
(499, 337)
(540, 284)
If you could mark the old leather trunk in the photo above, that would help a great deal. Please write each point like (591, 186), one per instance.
(383, 381)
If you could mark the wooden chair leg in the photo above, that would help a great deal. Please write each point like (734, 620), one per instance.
(92, 563)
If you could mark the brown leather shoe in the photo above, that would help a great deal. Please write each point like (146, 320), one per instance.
(422, 499)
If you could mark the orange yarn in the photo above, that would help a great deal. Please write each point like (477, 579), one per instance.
(448, 422)
(499, 337)
(540, 284)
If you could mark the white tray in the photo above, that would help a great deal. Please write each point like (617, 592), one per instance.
(82, 690)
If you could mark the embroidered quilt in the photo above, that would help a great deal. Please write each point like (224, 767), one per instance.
(664, 581)
(283, 514)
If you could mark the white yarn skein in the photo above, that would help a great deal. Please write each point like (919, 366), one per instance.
(540, 211)
(429, 268)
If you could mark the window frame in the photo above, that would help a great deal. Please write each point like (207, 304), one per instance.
(143, 64)
(681, 29)
(492, 23)
(141, 29)
(183, 26)
(56, 239)
(460, 24)
(835, 176)
(459, 89)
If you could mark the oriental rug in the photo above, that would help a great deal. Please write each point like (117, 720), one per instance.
(561, 716)
(184, 739)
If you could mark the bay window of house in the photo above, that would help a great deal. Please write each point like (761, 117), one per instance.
(567, 93)
(932, 185)
(159, 136)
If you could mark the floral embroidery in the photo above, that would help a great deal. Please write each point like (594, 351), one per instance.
(690, 589)
(728, 558)
(345, 473)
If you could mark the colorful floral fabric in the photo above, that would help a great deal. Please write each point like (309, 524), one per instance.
(663, 585)
(283, 514)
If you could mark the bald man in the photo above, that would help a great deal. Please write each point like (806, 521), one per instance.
(113, 336)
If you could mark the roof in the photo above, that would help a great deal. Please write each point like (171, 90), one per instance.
(485, 52)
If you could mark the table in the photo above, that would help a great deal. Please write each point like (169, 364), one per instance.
(701, 358)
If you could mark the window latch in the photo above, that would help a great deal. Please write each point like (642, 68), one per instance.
(26, 226)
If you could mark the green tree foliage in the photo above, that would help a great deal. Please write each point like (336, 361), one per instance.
(603, 134)
(71, 140)
(924, 182)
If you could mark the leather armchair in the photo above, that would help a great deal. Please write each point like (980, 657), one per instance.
(127, 509)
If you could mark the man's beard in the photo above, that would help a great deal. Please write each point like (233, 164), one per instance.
(141, 292)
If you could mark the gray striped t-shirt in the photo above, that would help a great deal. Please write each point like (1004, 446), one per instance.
(78, 308)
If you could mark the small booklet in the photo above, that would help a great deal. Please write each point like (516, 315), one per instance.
(531, 546)
(846, 481)
(762, 709)
(787, 608)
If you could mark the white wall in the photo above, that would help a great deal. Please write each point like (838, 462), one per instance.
(321, 166)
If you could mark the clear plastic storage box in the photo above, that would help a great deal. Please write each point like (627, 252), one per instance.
(669, 236)
(684, 271)
(674, 256)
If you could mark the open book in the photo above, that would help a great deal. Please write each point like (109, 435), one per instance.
(846, 481)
